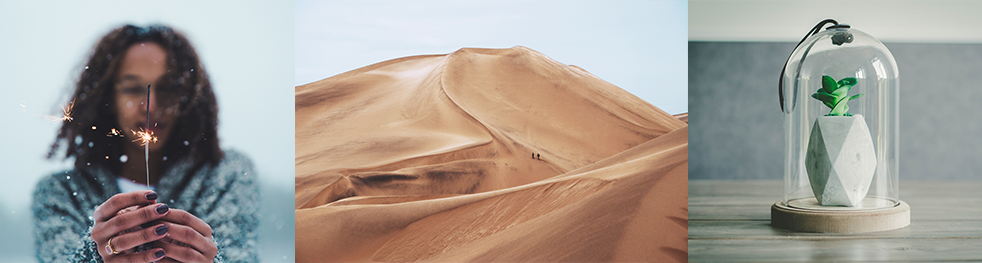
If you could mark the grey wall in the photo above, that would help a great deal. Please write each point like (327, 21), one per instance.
(735, 121)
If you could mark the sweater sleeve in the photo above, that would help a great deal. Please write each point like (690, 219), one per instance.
(234, 219)
(62, 227)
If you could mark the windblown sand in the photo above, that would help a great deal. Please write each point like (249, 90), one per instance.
(430, 158)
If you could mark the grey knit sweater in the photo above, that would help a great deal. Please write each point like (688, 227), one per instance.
(224, 196)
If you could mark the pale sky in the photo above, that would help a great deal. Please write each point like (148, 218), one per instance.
(640, 46)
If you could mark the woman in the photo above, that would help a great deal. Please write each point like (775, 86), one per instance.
(204, 203)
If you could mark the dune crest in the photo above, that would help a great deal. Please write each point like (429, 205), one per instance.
(485, 155)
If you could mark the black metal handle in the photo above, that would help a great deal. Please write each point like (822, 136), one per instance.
(780, 81)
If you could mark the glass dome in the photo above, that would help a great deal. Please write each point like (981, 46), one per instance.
(829, 164)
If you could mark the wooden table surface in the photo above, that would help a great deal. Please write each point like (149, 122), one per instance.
(730, 221)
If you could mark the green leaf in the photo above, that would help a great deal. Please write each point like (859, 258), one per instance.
(827, 99)
(847, 82)
(823, 97)
(840, 108)
(856, 96)
(841, 92)
(828, 84)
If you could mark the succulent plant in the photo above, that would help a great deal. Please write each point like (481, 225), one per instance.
(834, 95)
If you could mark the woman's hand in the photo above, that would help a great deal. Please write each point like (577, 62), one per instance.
(189, 239)
(111, 219)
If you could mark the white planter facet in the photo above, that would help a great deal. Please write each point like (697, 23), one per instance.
(840, 160)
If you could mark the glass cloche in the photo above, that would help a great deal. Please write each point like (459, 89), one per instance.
(839, 92)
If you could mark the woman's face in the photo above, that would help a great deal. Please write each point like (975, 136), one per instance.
(143, 64)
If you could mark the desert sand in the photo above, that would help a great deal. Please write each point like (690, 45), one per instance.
(682, 117)
(486, 155)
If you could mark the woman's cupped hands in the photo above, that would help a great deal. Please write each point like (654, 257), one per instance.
(133, 227)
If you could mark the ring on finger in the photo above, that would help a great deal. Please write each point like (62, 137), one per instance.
(110, 248)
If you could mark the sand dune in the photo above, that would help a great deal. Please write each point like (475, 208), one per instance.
(682, 117)
(429, 158)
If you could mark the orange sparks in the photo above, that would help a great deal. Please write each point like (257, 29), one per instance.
(144, 137)
(114, 132)
(66, 113)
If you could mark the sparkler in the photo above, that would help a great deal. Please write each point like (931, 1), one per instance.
(146, 145)
(145, 137)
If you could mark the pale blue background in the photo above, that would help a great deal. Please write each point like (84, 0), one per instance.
(246, 46)
(639, 46)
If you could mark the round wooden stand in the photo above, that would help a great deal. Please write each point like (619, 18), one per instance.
(840, 220)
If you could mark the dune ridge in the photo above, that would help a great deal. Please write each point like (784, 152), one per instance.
(431, 158)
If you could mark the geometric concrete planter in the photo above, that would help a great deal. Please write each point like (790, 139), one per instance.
(840, 160)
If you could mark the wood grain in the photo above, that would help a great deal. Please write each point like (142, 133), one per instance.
(730, 221)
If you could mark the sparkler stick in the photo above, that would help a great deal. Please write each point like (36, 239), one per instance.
(146, 146)
(145, 137)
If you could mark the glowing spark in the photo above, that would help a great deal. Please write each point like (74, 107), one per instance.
(144, 137)
(114, 132)
(66, 113)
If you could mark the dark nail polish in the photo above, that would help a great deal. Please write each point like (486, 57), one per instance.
(158, 254)
(151, 196)
(160, 230)
(162, 209)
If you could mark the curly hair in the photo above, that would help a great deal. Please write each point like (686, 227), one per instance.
(195, 133)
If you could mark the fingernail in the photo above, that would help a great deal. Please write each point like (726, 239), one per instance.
(160, 230)
(162, 209)
(158, 254)
(151, 196)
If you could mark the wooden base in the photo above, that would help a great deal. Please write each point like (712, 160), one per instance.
(840, 221)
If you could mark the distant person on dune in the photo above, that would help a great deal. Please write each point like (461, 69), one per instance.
(203, 206)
